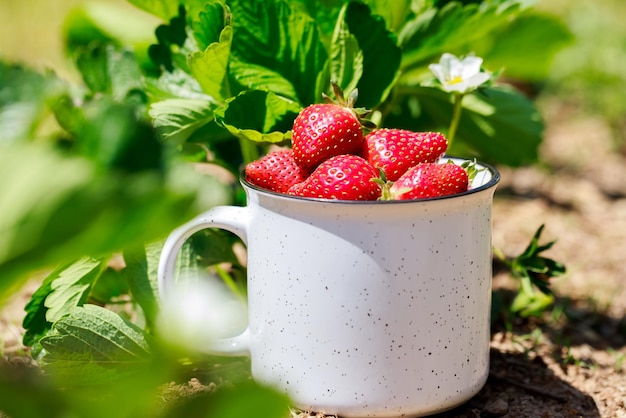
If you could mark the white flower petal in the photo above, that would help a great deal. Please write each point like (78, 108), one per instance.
(471, 66)
(437, 70)
(456, 69)
(478, 79)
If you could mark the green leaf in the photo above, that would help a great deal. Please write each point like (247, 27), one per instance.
(255, 77)
(451, 27)
(109, 286)
(93, 345)
(259, 116)
(531, 304)
(26, 393)
(102, 22)
(396, 12)
(214, 246)
(168, 35)
(501, 126)
(285, 40)
(165, 9)
(22, 96)
(108, 70)
(71, 286)
(141, 273)
(28, 196)
(210, 67)
(209, 25)
(188, 263)
(176, 84)
(64, 288)
(526, 47)
(246, 399)
(346, 58)
(177, 119)
(381, 54)
(35, 323)
(63, 210)
(115, 138)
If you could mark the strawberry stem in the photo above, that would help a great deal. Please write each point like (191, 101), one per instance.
(340, 99)
(471, 170)
(384, 184)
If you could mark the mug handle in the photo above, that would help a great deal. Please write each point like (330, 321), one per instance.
(230, 218)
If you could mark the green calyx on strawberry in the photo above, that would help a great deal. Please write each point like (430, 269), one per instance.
(321, 131)
(394, 151)
(276, 171)
(426, 180)
(341, 177)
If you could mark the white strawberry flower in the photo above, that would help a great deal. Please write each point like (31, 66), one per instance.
(460, 76)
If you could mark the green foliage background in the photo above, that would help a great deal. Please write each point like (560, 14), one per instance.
(117, 178)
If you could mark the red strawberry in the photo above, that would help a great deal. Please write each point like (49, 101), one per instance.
(321, 131)
(430, 180)
(396, 150)
(342, 177)
(276, 171)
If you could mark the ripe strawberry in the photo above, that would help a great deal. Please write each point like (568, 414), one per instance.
(342, 177)
(396, 150)
(276, 171)
(430, 180)
(321, 131)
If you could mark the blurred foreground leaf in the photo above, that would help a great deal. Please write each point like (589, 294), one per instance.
(247, 400)
(57, 208)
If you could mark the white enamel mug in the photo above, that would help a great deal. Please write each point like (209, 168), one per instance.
(362, 309)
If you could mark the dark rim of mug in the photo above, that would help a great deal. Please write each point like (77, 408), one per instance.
(495, 179)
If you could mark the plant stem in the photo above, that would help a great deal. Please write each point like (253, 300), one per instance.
(456, 117)
(229, 282)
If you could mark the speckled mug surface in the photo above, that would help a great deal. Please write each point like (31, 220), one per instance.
(362, 309)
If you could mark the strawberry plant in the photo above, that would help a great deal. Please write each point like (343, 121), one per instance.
(96, 172)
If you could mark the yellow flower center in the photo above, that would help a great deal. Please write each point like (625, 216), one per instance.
(456, 80)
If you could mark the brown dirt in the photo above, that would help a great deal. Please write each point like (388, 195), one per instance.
(571, 363)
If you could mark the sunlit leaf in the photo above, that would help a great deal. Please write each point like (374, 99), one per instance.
(177, 119)
(346, 58)
(210, 67)
(141, 273)
(285, 40)
(381, 54)
(259, 116)
(165, 9)
(209, 24)
(500, 126)
(93, 345)
(453, 26)
(510, 47)
(256, 77)
(71, 286)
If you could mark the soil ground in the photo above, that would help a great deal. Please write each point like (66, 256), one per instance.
(571, 363)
